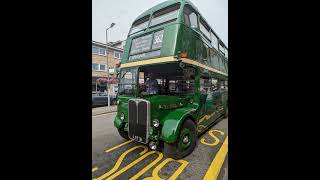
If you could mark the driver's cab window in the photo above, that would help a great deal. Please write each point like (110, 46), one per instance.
(127, 82)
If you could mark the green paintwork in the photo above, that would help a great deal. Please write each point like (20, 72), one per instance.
(174, 110)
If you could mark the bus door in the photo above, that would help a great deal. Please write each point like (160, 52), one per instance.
(206, 102)
(217, 98)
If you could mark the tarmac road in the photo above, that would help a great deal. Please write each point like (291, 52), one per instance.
(128, 159)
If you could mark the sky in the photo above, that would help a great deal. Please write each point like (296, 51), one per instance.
(124, 12)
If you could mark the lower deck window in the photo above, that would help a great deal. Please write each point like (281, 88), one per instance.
(166, 80)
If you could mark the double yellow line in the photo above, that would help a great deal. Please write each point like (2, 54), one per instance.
(217, 162)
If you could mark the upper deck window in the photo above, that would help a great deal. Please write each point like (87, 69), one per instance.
(214, 40)
(226, 53)
(140, 25)
(165, 15)
(205, 28)
(221, 48)
(190, 17)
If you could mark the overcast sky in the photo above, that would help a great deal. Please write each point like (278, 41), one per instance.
(124, 12)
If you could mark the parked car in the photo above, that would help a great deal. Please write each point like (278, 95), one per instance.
(101, 99)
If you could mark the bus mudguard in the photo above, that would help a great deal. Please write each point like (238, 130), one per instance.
(117, 122)
(172, 123)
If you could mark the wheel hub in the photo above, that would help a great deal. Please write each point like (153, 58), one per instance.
(185, 139)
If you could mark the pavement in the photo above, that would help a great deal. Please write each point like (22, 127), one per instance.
(116, 158)
(103, 110)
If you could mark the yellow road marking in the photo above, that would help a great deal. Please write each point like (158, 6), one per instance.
(147, 167)
(206, 117)
(111, 149)
(94, 169)
(155, 172)
(200, 126)
(217, 162)
(119, 161)
(135, 162)
(216, 140)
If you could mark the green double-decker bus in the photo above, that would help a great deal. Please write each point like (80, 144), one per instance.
(173, 79)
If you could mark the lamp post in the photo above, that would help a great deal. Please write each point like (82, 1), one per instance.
(112, 24)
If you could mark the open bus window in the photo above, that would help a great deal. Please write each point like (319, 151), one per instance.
(165, 15)
(139, 25)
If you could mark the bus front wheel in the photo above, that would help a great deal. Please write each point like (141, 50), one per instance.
(185, 143)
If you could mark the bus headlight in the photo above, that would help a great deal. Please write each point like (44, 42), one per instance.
(155, 123)
(122, 117)
(153, 145)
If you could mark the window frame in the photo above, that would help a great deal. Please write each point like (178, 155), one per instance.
(99, 48)
(141, 19)
(211, 38)
(163, 12)
(221, 49)
(114, 54)
(99, 67)
(96, 48)
(203, 23)
(193, 11)
(226, 52)
(105, 69)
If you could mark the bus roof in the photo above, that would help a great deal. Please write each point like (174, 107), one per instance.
(171, 2)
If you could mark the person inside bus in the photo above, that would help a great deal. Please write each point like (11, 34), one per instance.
(152, 86)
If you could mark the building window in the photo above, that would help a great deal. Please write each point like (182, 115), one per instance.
(117, 55)
(99, 51)
(102, 67)
(98, 67)
(102, 51)
(95, 67)
(95, 50)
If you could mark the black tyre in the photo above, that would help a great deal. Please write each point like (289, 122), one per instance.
(123, 133)
(114, 102)
(185, 143)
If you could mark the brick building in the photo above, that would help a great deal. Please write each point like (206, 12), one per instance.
(99, 62)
